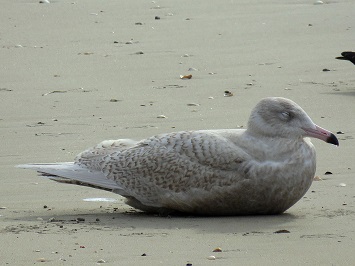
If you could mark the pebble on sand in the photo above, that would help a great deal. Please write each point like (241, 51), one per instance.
(185, 76)
(211, 257)
(114, 100)
(282, 231)
(228, 94)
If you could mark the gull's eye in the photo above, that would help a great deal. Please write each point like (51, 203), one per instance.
(285, 115)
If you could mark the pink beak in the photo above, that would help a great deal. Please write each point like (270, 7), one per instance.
(323, 134)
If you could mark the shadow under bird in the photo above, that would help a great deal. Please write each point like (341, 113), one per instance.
(264, 169)
(350, 56)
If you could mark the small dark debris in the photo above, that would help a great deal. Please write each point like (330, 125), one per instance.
(310, 25)
(188, 264)
(114, 100)
(282, 231)
(328, 173)
(82, 246)
(228, 94)
(115, 42)
(79, 219)
(97, 220)
(157, 18)
(45, 207)
(340, 132)
(325, 69)
(86, 53)
(144, 254)
(138, 23)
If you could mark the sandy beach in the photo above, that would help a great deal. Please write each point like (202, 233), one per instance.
(75, 73)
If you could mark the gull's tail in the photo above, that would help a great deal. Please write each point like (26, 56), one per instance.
(71, 173)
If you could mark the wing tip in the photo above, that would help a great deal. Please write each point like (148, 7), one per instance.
(37, 165)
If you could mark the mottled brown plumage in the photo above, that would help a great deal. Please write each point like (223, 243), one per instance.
(262, 170)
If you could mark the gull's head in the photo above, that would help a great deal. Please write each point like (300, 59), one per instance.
(281, 117)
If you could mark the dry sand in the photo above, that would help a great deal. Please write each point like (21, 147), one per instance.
(62, 63)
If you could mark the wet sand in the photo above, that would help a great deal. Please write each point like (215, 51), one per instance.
(76, 73)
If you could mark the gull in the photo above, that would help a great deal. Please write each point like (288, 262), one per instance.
(264, 169)
(350, 56)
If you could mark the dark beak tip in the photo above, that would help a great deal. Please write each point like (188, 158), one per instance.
(333, 140)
